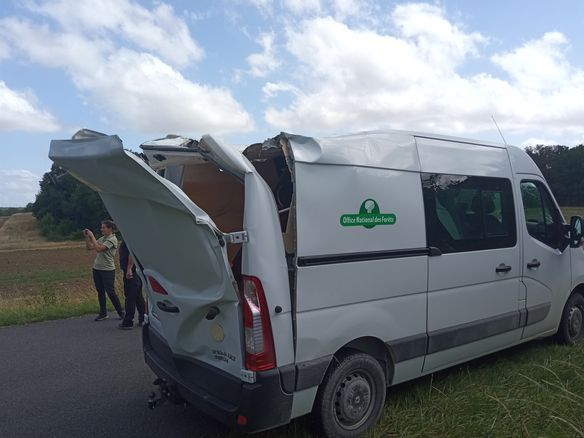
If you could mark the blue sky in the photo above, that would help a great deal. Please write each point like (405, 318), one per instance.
(246, 70)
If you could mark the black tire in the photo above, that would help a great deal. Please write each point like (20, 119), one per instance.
(571, 330)
(351, 397)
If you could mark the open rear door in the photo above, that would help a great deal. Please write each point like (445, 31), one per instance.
(182, 253)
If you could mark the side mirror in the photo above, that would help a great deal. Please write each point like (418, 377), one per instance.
(575, 231)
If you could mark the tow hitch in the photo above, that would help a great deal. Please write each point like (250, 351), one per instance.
(165, 392)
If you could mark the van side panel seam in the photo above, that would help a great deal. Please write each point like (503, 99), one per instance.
(439, 340)
(329, 259)
(444, 339)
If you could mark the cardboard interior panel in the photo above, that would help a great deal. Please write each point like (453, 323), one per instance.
(219, 194)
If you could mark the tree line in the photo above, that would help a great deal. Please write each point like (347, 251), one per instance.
(563, 169)
(64, 206)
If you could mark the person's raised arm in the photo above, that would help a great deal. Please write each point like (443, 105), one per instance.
(88, 244)
(93, 241)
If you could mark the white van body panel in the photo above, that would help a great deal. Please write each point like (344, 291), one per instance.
(475, 293)
(462, 158)
(387, 304)
(341, 191)
(388, 319)
(264, 257)
(361, 282)
(465, 293)
(521, 163)
(387, 150)
(577, 261)
(226, 156)
(549, 285)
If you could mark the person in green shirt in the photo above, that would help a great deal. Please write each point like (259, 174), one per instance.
(104, 268)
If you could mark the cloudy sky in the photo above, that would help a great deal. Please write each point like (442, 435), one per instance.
(246, 70)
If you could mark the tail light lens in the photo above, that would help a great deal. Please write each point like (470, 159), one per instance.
(260, 354)
(156, 286)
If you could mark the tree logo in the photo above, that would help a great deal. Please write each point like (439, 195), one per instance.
(369, 216)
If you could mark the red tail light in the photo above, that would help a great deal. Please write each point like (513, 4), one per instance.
(260, 354)
(156, 287)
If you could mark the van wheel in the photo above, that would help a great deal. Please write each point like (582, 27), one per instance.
(351, 397)
(571, 329)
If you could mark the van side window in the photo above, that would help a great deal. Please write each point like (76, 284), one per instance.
(541, 215)
(468, 213)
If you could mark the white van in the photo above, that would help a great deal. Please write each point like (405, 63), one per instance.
(308, 274)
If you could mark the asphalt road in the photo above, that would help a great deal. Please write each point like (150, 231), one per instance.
(80, 378)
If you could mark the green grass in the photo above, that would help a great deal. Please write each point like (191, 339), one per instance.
(45, 277)
(49, 311)
(534, 390)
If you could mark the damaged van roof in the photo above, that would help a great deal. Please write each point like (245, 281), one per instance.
(383, 149)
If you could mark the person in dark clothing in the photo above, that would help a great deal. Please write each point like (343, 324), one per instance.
(132, 289)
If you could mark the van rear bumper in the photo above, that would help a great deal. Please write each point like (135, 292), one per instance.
(264, 404)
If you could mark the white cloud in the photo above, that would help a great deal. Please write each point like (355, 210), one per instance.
(261, 4)
(17, 187)
(264, 63)
(134, 88)
(158, 31)
(152, 97)
(348, 78)
(437, 40)
(54, 49)
(272, 89)
(539, 64)
(303, 6)
(344, 8)
(19, 112)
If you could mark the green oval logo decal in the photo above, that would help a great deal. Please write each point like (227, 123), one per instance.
(369, 216)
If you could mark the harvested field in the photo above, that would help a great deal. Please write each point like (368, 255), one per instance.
(35, 279)
(27, 271)
(21, 231)
(41, 279)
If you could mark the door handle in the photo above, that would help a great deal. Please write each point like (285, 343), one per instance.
(534, 264)
(166, 307)
(502, 268)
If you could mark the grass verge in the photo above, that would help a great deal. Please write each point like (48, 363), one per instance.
(532, 390)
(58, 310)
